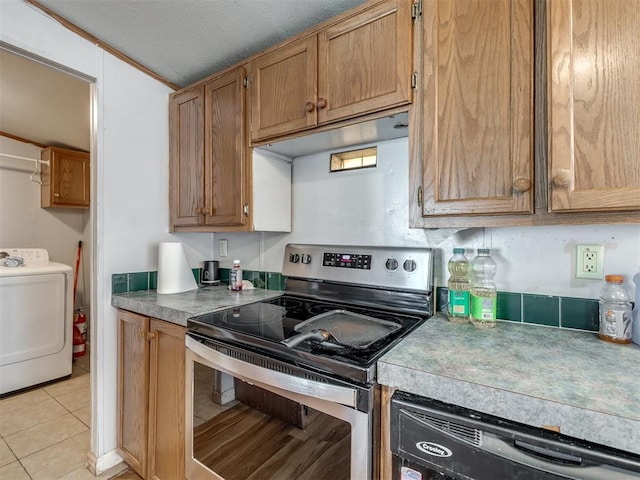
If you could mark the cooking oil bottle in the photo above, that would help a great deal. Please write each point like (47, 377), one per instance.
(483, 290)
(458, 285)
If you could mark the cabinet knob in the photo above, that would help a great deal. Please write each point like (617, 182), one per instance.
(322, 102)
(309, 106)
(56, 195)
(563, 179)
(198, 210)
(522, 185)
(206, 211)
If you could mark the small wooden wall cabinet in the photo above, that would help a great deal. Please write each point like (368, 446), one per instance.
(66, 180)
(151, 371)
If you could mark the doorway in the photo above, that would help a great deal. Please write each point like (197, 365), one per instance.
(46, 105)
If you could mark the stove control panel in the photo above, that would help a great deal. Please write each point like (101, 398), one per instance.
(409, 268)
(347, 260)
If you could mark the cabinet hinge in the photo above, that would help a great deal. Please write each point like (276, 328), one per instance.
(420, 196)
(416, 10)
(245, 209)
(414, 80)
(245, 82)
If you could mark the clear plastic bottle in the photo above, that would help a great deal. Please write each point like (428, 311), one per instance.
(615, 311)
(235, 277)
(483, 291)
(458, 285)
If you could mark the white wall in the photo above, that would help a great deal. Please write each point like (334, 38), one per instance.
(24, 224)
(369, 207)
(129, 186)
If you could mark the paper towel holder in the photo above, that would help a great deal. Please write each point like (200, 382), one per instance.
(174, 273)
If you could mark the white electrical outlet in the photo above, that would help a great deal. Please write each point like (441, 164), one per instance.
(223, 247)
(590, 261)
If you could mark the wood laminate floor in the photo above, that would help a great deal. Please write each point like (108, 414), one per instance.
(245, 444)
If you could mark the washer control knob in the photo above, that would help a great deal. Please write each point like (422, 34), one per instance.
(294, 258)
(392, 264)
(409, 266)
(306, 258)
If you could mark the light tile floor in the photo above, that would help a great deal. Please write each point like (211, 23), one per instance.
(45, 432)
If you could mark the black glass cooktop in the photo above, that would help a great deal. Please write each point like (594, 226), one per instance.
(262, 326)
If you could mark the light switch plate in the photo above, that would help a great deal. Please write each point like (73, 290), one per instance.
(590, 261)
(223, 249)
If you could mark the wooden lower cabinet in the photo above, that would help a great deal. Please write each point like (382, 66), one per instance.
(151, 369)
(385, 467)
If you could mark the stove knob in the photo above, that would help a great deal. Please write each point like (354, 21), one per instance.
(409, 266)
(306, 258)
(392, 264)
(294, 258)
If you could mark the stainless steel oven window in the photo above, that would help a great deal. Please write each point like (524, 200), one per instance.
(331, 405)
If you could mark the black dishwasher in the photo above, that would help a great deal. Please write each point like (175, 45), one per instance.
(433, 440)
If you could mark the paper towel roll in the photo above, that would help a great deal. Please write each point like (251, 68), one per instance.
(174, 274)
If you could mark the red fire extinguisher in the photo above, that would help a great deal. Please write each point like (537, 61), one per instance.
(80, 321)
(79, 318)
(79, 347)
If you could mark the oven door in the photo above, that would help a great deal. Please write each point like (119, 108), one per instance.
(245, 421)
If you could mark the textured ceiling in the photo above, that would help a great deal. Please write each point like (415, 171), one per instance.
(186, 40)
(180, 40)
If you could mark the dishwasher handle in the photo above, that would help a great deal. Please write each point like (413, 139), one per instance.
(547, 454)
(563, 464)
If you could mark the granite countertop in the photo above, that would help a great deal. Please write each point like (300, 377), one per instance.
(178, 307)
(535, 375)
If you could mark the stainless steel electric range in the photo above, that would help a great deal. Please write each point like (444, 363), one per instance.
(316, 347)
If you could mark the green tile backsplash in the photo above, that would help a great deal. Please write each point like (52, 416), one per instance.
(582, 313)
(135, 281)
(564, 312)
(541, 309)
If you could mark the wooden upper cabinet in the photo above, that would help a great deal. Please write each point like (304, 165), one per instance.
(283, 89)
(209, 156)
(365, 62)
(66, 180)
(226, 155)
(186, 190)
(359, 65)
(472, 127)
(594, 98)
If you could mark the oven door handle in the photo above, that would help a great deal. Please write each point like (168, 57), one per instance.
(255, 374)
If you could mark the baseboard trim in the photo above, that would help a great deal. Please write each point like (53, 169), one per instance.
(103, 463)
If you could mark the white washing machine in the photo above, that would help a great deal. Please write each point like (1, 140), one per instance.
(36, 320)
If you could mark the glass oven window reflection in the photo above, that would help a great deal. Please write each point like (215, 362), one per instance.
(243, 432)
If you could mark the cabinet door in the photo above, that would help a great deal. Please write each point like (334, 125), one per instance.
(225, 150)
(186, 189)
(283, 89)
(133, 389)
(364, 62)
(594, 98)
(166, 402)
(474, 123)
(66, 179)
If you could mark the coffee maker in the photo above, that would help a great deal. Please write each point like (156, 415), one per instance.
(210, 275)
